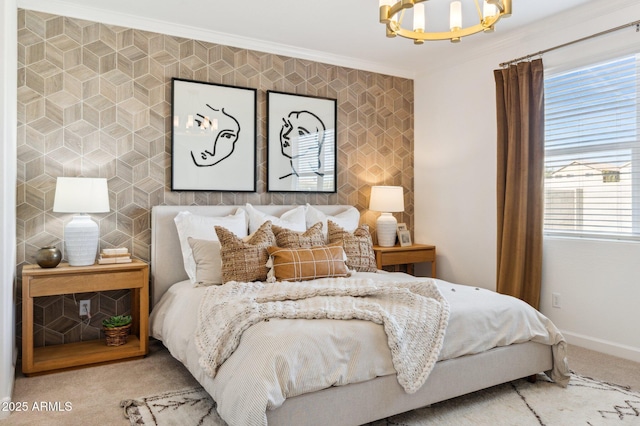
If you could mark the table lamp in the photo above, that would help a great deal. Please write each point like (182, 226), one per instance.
(81, 196)
(386, 199)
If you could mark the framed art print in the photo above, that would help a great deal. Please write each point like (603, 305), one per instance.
(213, 137)
(301, 143)
(405, 238)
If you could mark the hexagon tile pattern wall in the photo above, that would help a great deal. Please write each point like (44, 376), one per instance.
(94, 100)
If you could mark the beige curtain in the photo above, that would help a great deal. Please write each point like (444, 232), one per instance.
(520, 117)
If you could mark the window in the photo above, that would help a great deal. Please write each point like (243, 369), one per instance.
(592, 151)
(312, 165)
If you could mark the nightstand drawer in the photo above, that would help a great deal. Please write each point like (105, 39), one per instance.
(408, 255)
(404, 257)
(84, 283)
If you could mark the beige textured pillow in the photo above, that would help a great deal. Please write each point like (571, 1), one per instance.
(300, 264)
(293, 239)
(358, 246)
(208, 261)
(245, 261)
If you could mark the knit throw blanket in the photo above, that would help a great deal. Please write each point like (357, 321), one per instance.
(414, 316)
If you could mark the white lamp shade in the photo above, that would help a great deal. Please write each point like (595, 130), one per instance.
(81, 234)
(386, 199)
(81, 195)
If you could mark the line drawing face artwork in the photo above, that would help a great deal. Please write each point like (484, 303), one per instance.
(301, 143)
(213, 137)
(226, 129)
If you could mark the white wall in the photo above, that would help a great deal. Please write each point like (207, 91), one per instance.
(455, 181)
(8, 119)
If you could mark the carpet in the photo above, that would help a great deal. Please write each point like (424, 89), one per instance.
(584, 402)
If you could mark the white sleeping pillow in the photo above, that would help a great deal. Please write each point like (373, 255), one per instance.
(203, 228)
(347, 220)
(293, 219)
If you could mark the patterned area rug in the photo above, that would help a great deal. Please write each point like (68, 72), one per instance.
(585, 401)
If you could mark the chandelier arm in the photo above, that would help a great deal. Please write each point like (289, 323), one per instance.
(401, 17)
(388, 12)
(478, 10)
(400, 6)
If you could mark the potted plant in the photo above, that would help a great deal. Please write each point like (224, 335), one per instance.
(116, 329)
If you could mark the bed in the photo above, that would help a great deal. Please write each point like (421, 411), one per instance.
(465, 364)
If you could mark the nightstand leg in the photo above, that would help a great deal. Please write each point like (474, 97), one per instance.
(410, 268)
(27, 328)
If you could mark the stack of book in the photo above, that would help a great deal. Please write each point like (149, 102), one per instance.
(114, 255)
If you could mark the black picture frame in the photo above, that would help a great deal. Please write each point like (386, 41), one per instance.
(213, 137)
(307, 163)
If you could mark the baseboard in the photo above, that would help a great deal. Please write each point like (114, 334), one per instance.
(604, 346)
(6, 402)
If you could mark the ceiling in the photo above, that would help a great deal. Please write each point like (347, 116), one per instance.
(343, 32)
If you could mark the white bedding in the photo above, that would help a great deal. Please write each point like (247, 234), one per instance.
(414, 316)
(333, 352)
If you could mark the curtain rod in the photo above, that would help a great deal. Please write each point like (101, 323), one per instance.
(540, 53)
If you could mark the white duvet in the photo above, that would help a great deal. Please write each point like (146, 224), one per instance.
(315, 354)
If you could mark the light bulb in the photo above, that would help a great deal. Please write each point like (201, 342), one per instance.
(489, 9)
(418, 17)
(455, 15)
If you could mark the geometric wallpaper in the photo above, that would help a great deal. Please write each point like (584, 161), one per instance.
(94, 100)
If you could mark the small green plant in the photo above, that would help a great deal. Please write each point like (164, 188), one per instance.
(116, 321)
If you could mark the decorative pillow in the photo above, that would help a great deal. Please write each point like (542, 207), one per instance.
(292, 219)
(245, 261)
(348, 219)
(294, 239)
(202, 228)
(208, 261)
(300, 264)
(358, 246)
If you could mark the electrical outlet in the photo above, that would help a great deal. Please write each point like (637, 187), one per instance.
(555, 300)
(85, 308)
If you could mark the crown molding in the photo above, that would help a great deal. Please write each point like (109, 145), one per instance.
(73, 10)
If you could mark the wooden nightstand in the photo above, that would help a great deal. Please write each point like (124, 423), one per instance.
(398, 255)
(65, 279)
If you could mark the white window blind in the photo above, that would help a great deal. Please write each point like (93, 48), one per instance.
(592, 150)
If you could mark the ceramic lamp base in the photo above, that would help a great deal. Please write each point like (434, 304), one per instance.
(386, 230)
(81, 240)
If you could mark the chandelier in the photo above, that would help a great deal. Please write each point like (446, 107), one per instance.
(392, 14)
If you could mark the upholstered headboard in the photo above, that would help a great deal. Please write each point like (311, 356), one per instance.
(166, 259)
